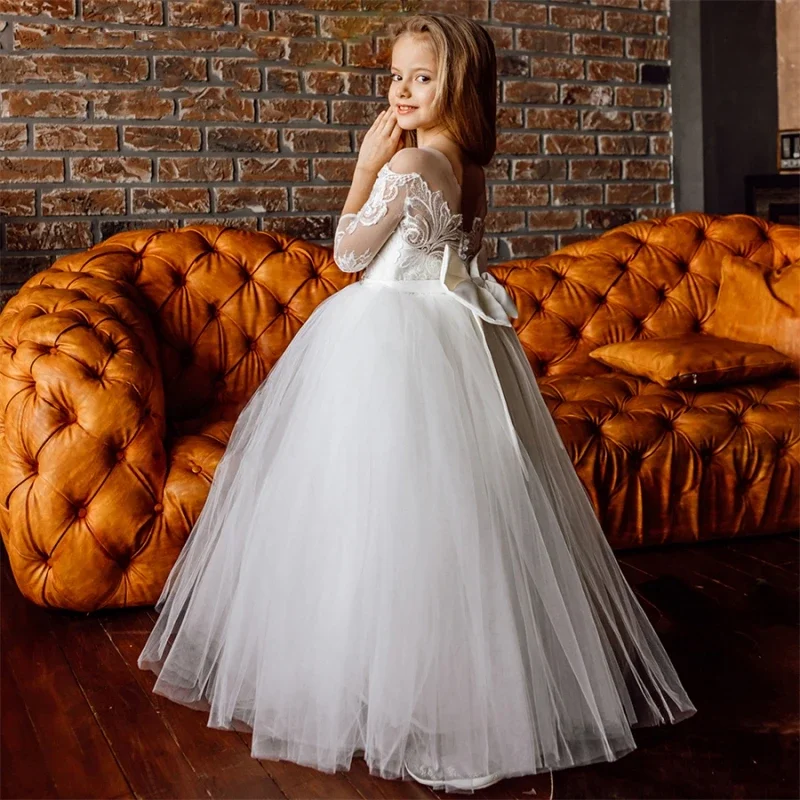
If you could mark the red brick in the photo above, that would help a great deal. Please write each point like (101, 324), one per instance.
(174, 200)
(639, 96)
(334, 169)
(316, 140)
(216, 103)
(75, 137)
(31, 170)
(577, 194)
(161, 137)
(318, 227)
(630, 193)
(647, 49)
(587, 169)
(529, 91)
(80, 202)
(349, 27)
(242, 72)
(336, 83)
(525, 143)
(61, 68)
(58, 9)
(555, 67)
(282, 80)
(43, 103)
(543, 41)
(609, 71)
(176, 70)
(576, 18)
(200, 13)
(289, 109)
(566, 143)
(195, 169)
(622, 145)
(319, 51)
(13, 136)
(521, 195)
(607, 218)
(293, 23)
(130, 12)
(646, 169)
(273, 169)
(131, 104)
(652, 120)
(606, 120)
(236, 140)
(530, 246)
(354, 112)
(539, 169)
(509, 117)
(113, 169)
(17, 203)
(192, 40)
(253, 17)
(319, 198)
(54, 235)
(522, 13)
(627, 22)
(588, 44)
(586, 94)
(553, 219)
(564, 118)
(263, 199)
(38, 36)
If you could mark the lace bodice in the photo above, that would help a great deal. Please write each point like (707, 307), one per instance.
(401, 230)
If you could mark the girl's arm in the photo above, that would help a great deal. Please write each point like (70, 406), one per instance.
(360, 188)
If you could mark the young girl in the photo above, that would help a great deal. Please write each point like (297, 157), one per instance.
(396, 557)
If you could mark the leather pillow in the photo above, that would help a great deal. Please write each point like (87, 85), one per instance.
(694, 359)
(758, 305)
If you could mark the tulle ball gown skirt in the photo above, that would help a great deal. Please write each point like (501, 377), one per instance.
(386, 565)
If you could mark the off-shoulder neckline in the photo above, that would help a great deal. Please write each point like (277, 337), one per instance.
(455, 215)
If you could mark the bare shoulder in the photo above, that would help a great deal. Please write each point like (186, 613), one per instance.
(412, 159)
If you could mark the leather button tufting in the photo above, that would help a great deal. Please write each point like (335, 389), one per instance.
(82, 512)
(53, 350)
(197, 469)
(120, 455)
(253, 345)
(158, 507)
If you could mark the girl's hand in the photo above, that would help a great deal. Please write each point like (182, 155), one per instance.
(380, 142)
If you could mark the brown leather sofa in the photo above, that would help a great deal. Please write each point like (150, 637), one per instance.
(124, 367)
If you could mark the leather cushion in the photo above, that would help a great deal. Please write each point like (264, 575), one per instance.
(694, 359)
(757, 305)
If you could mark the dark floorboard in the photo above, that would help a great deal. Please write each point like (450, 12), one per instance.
(79, 719)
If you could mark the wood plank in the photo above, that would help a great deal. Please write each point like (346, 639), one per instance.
(83, 764)
(24, 772)
(145, 749)
(220, 756)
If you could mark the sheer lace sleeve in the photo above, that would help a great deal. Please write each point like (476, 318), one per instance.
(359, 237)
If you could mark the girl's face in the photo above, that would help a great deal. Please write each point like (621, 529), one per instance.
(413, 83)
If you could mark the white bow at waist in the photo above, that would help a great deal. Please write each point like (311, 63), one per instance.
(480, 292)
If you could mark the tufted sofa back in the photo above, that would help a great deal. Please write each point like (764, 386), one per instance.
(225, 303)
(644, 279)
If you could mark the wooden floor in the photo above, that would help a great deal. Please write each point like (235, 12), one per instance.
(79, 719)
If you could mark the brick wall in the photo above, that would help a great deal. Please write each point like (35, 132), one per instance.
(157, 113)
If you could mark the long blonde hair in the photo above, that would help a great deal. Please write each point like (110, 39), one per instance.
(466, 81)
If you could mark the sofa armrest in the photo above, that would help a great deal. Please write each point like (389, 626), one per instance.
(82, 461)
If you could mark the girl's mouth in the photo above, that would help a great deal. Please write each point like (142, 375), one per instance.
(405, 109)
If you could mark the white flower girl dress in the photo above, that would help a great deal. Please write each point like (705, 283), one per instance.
(396, 556)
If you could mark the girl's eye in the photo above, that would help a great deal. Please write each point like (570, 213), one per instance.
(395, 75)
